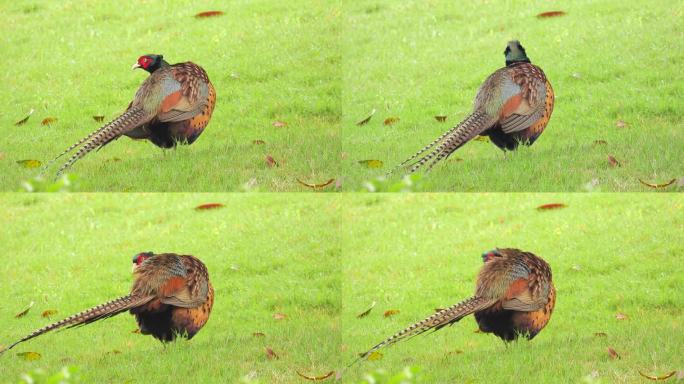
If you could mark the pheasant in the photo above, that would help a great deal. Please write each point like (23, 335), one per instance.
(171, 296)
(512, 106)
(173, 105)
(514, 297)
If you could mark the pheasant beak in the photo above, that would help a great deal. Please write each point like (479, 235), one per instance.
(136, 66)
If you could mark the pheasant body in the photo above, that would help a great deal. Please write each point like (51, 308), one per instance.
(172, 106)
(171, 296)
(514, 296)
(512, 106)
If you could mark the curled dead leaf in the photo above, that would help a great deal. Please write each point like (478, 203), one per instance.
(208, 14)
(391, 120)
(545, 207)
(441, 118)
(24, 311)
(258, 334)
(29, 163)
(371, 163)
(391, 312)
(258, 142)
(316, 378)
(550, 14)
(25, 119)
(316, 186)
(613, 355)
(270, 354)
(366, 119)
(613, 162)
(621, 316)
(206, 206)
(98, 118)
(270, 161)
(29, 356)
(279, 124)
(661, 377)
(48, 312)
(366, 312)
(279, 316)
(48, 121)
(655, 185)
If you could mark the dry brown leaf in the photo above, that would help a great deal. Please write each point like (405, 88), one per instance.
(613, 162)
(344, 155)
(29, 356)
(366, 119)
(206, 206)
(391, 312)
(270, 354)
(441, 118)
(24, 311)
(600, 142)
(279, 124)
(550, 14)
(613, 355)
(366, 312)
(661, 377)
(48, 121)
(258, 334)
(545, 207)
(209, 14)
(25, 119)
(655, 185)
(279, 316)
(621, 124)
(455, 352)
(48, 312)
(98, 118)
(600, 334)
(316, 378)
(316, 186)
(270, 161)
(371, 163)
(621, 316)
(29, 163)
(258, 142)
(391, 120)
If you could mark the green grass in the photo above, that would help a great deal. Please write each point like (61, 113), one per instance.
(610, 253)
(265, 253)
(269, 61)
(606, 60)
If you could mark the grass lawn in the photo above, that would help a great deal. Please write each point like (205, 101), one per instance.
(266, 254)
(608, 61)
(269, 61)
(610, 254)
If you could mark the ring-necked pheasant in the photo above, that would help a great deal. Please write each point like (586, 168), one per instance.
(512, 106)
(514, 297)
(173, 105)
(171, 296)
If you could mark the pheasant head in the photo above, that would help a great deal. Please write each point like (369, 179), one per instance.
(140, 258)
(515, 53)
(150, 62)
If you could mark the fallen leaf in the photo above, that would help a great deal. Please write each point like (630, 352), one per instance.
(270, 354)
(680, 375)
(456, 352)
(29, 163)
(390, 312)
(279, 316)
(29, 356)
(441, 118)
(316, 186)
(316, 378)
(600, 142)
(113, 352)
(366, 312)
(484, 139)
(202, 207)
(258, 142)
(279, 124)
(338, 183)
(662, 377)
(25, 311)
(621, 316)
(621, 124)
(600, 334)
(48, 312)
(654, 185)
(612, 161)
(209, 14)
(48, 121)
(375, 356)
(114, 159)
(613, 355)
(371, 163)
(550, 14)
(344, 155)
(25, 119)
(367, 119)
(258, 334)
(545, 207)
(137, 330)
(391, 120)
(98, 118)
(270, 161)
(2, 155)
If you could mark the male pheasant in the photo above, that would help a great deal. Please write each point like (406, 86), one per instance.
(514, 297)
(512, 106)
(171, 296)
(173, 105)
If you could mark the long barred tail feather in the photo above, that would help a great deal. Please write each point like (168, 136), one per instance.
(102, 311)
(424, 149)
(112, 130)
(434, 322)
